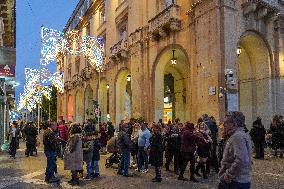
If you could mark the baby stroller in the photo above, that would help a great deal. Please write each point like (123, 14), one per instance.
(113, 159)
(113, 148)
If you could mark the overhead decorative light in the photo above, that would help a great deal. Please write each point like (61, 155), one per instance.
(107, 86)
(239, 51)
(128, 78)
(166, 99)
(174, 60)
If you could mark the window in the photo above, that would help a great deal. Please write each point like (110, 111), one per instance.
(77, 64)
(102, 16)
(122, 32)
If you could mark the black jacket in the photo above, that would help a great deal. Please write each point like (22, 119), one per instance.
(257, 133)
(31, 134)
(156, 150)
(96, 150)
(49, 141)
(124, 142)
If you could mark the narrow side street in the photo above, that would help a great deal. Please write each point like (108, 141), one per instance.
(28, 173)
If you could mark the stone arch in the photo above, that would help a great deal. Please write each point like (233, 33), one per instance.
(255, 72)
(88, 103)
(123, 97)
(181, 91)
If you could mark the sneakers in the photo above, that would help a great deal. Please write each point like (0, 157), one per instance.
(88, 177)
(96, 175)
(52, 180)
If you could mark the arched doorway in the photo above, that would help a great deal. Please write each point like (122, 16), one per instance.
(70, 108)
(104, 100)
(123, 96)
(88, 105)
(171, 86)
(254, 81)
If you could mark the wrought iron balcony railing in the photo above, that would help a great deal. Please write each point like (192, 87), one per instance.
(119, 51)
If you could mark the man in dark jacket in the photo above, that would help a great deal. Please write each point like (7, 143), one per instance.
(172, 146)
(189, 142)
(49, 143)
(31, 135)
(125, 145)
(257, 134)
(212, 159)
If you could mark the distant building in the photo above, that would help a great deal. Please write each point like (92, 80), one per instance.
(171, 59)
(7, 63)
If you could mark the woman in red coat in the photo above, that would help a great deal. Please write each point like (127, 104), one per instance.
(104, 137)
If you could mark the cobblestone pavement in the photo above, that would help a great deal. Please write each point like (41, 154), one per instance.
(28, 173)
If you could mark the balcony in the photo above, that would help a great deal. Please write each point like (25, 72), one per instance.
(139, 35)
(76, 80)
(68, 85)
(119, 51)
(261, 8)
(86, 73)
(167, 21)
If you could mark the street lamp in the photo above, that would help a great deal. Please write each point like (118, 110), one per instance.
(174, 60)
(107, 86)
(239, 51)
(128, 78)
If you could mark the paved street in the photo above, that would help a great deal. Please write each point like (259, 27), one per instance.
(29, 173)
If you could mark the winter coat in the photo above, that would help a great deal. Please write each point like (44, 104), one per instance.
(110, 131)
(73, 156)
(103, 138)
(189, 140)
(96, 150)
(236, 162)
(49, 141)
(63, 132)
(88, 148)
(203, 149)
(124, 142)
(214, 130)
(31, 134)
(172, 139)
(156, 150)
(257, 133)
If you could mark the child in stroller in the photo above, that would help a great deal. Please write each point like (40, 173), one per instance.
(113, 148)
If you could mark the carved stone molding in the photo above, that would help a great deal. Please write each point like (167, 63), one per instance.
(119, 51)
(167, 21)
(86, 73)
(261, 8)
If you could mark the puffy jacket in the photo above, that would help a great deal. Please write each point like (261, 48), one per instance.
(124, 142)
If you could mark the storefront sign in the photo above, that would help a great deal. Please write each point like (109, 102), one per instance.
(7, 70)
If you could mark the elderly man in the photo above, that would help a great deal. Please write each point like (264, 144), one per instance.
(236, 163)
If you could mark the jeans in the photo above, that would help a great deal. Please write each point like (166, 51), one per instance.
(172, 154)
(124, 163)
(142, 158)
(62, 148)
(51, 164)
(234, 185)
(93, 167)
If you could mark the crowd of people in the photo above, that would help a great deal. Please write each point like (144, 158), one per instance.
(226, 148)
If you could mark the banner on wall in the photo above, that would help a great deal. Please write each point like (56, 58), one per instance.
(7, 70)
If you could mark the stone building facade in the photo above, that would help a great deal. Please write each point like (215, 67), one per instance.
(169, 59)
(7, 63)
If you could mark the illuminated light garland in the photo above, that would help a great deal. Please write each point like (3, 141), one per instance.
(58, 81)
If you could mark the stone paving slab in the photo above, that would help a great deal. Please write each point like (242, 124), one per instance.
(28, 173)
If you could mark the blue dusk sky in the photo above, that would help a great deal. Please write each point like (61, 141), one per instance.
(31, 15)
